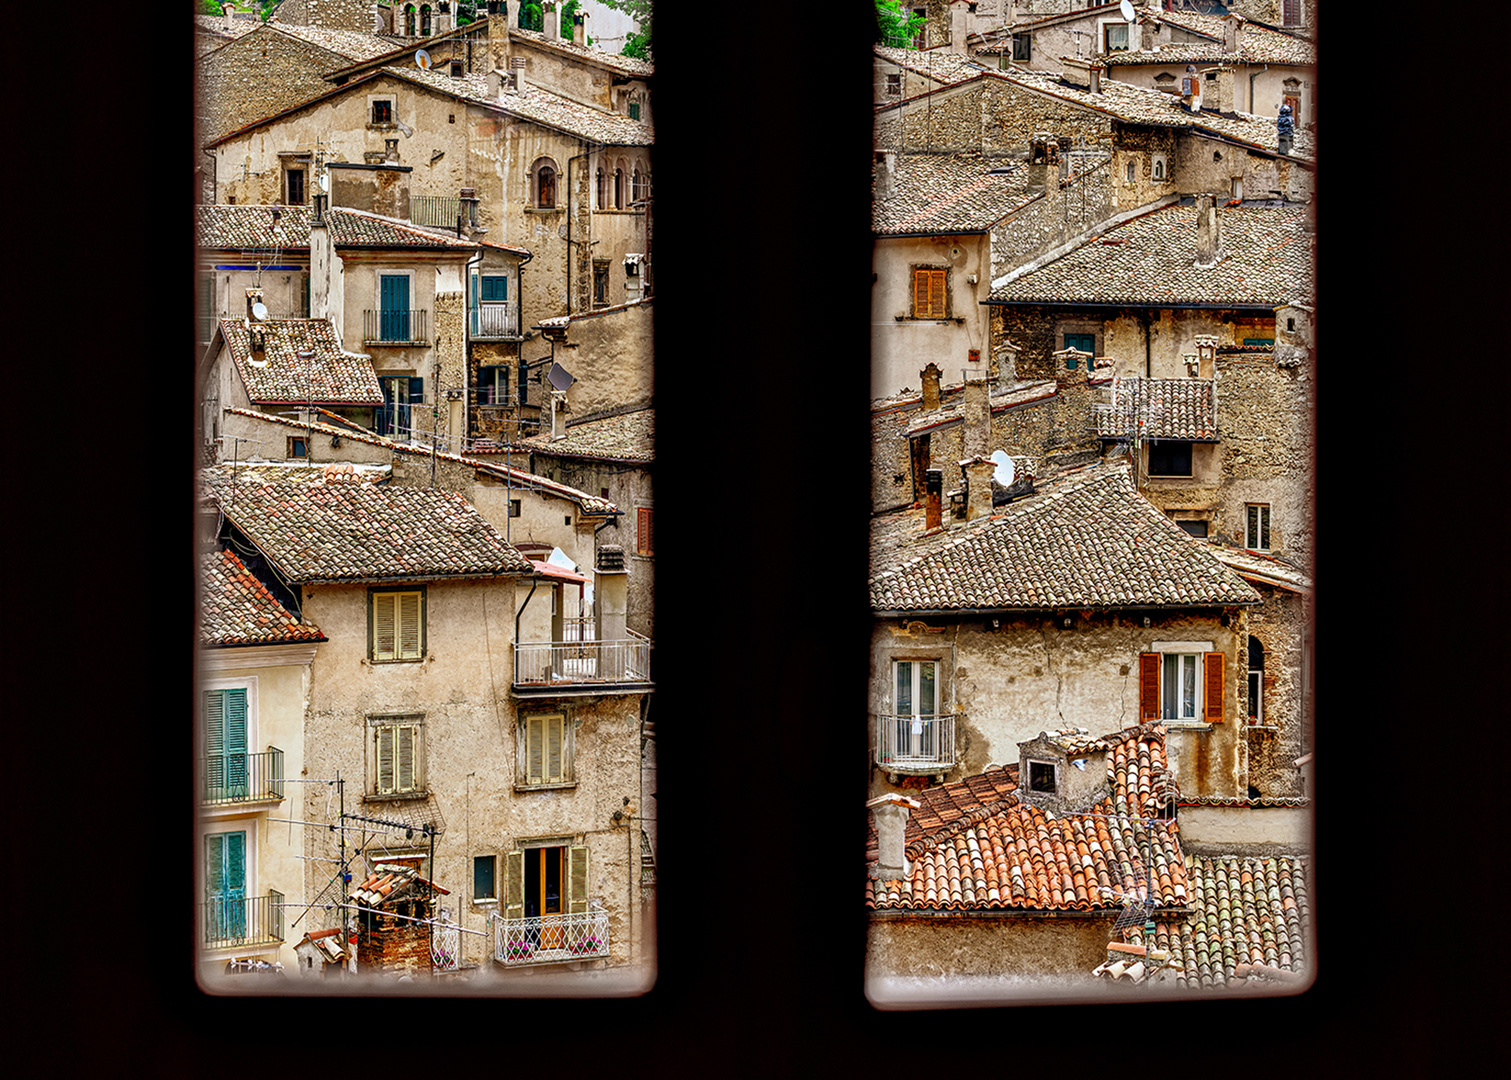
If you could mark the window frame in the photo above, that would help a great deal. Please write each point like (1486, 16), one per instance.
(1209, 668)
(1026, 53)
(1108, 28)
(645, 531)
(491, 861)
(247, 686)
(1149, 462)
(1256, 681)
(377, 103)
(396, 591)
(377, 724)
(928, 273)
(922, 743)
(534, 729)
(538, 189)
(493, 384)
(1054, 776)
(600, 283)
(1257, 527)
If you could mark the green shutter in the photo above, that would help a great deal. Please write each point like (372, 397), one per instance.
(577, 879)
(215, 744)
(225, 744)
(514, 885)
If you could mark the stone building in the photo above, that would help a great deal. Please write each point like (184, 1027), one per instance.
(904, 73)
(255, 661)
(475, 748)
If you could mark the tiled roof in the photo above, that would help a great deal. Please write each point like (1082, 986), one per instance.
(351, 44)
(627, 437)
(333, 377)
(1022, 394)
(1160, 409)
(1143, 105)
(351, 530)
(251, 227)
(1150, 260)
(389, 882)
(933, 193)
(625, 65)
(1238, 800)
(992, 850)
(237, 609)
(942, 66)
(589, 504)
(1256, 566)
(1245, 911)
(1257, 44)
(537, 104)
(286, 472)
(1084, 539)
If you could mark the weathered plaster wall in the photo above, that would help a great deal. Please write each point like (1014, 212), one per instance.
(1245, 830)
(611, 354)
(1029, 675)
(965, 945)
(902, 345)
(1280, 624)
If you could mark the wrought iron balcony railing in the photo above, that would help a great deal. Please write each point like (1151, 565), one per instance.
(915, 744)
(495, 320)
(395, 327)
(252, 920)
(543, 664)
(551, 939)
(234, 778)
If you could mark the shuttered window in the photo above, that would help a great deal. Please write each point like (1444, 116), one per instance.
(644, 542)
(929, 294)
(225, 744)
(397, 755)
(397, 625)
(1214, 684)
(547, 755)
(1181, 686)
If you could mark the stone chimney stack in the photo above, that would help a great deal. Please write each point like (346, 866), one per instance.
(558, 414)
(1147, 29)
(327, 299)
(552, 20)
(933, 497)
(978, 486)
(1206, 354)
(498, 42)
(959, 23)
(930, 376)
(886, 172)
(580, 28)
(1232, 34)
(1043, 157)
(1007, 364)
(890, 813)
(1094, 76)
(976, 411)
(1224, 89)
(1208, 237)
(228, 12)
(611, 592)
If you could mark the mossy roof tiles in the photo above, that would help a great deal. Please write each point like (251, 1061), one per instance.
(352, 530)
(351, 44)
(627, 437)
(332, 376)
(1150, 261)
(237, 609)
(1160, 409)
(1085, 539)
(218, 227)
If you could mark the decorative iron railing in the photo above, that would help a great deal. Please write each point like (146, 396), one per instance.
(917, 743)
(446, 945)
(233, 778)
(391, 326)
(550, 939)
(495, 320)
(545, 663)
(252, 920)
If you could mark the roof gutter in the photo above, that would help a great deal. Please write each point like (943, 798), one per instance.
(945, 613)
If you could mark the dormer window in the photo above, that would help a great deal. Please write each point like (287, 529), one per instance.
(1043, 777)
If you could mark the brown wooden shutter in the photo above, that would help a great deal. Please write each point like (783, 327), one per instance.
(1148, 686)
(534, 750)
(514, 885)
(577, 879)
(1213, 708)
(644, 544)
(409, 625)
(383, 626)
(936, 293)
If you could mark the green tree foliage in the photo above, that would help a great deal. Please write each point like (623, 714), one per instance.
(531, 18)
(895, 28)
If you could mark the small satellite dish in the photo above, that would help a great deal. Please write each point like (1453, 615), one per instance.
(259, 311)
(1005, 471)
(1125, 9)
(422, 58)
(325, 182)
(559, 377)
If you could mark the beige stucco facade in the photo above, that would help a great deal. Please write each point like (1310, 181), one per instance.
(902, 343)
(276, 679)
(610, 355)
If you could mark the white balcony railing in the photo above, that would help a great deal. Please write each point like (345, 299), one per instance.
(542, 664)
(495, 320)
(550, 939)
(915, 744)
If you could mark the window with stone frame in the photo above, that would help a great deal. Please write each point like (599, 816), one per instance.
(1115, 37)
(1256, 680)
(382, 111)
(543, 176)
(1257, 526)
(931, 298)
(600, 283)
(545, 746)
(396, 624)
(395, 755)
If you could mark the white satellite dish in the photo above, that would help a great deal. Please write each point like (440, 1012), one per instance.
(325, 182)
(422, 58)
(259, 311)
(1005, 470)
(1125, 9)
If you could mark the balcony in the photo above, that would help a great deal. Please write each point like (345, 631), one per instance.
(395, 327)
(551, 939)
(243, 778)
(918, 745)
(236, 923)
(495, 320)
(556, 668)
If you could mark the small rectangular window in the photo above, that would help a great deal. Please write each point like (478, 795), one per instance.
(634, 110)
(1041, 777)
(397, 754)
(1195, 528)
(547, 754)
(382, 112)
(1257, 527)
(1023, 48)
(894, 84)
(1117, 37)
(1168, 458)
(295, 194)
(299, 447)
(484, 877)
(514, 508)
(493, 385)
(930, 296)
(600, 283)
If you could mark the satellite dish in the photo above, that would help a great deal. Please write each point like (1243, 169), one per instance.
(1005, 470)
(559, 377)
(1125, 9)
(259, 311)
(422, 58)
(325, 182)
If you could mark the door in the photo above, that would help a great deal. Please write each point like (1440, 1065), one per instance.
(225, 886)
(225, 745)
(543, 893)
(917, 712)
(399, 393)
(393, 294)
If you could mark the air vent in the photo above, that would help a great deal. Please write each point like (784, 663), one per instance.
(610, 557)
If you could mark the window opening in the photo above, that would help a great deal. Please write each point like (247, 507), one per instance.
(930, 295)
(1257, 531)
(1256, 680)
(1178, 683)
(1167, 458)
(398, 625)
(1085, 343)
(382, 112)
(484, 877)
(917, 708)
(1041, 777)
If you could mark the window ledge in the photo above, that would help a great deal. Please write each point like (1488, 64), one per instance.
(1186, 725)
(546, 787)
(545, 209)
(406, 660)
(1270, 728)
(958, 320)
(406, 796)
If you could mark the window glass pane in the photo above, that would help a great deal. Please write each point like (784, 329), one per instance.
(482, 878)
(904, 688)
(1168, 684)
(1254, 681)
(1188, 687)
(926, 673)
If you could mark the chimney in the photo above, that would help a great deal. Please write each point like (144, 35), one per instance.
(443, 21)
(1206, 354)
(1076, 72)
(327, 299)
(467, 197)
(1094, 77)
(1223, 89)
(1231, 34)
(930, 376)
(890, 813)
(1190, 88)
(552, 20)
(229, 12)
(1007, 364)
(978, 486)
(1043, 151)
(580, 28)
(559, 410)
(959, 22)
(886, 171)
(1208, 236)
(933, 491)
(611, 592)
(1148, 28)
(976, 410)
(498, 40)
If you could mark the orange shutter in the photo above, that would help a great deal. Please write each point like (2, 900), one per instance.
(936, 293)
(643, 531)
(928, 294)
(1148, 686)
(1213, 710)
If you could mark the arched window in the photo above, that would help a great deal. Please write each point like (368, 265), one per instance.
(544, 174)
(636, 194)
(409, 20)
(1256, 681)
(424, 20)
(619, 178)
(602, 189)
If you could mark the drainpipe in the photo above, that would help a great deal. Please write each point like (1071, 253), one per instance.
(1252, 77)
(534, 583)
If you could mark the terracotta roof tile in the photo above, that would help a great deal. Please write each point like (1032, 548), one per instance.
(1257, 44)
(237, 609)
(1246, 911)
(957, 193)
(940, 65)
(332, 377)
(1160, 409)
(629, 436)
(243, 227)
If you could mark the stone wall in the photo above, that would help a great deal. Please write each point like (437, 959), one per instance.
(1011, 114)
(234, 87)
(949, 121)
(332, 14)
(964, 945)
(1280, 624)
(1067, 210)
